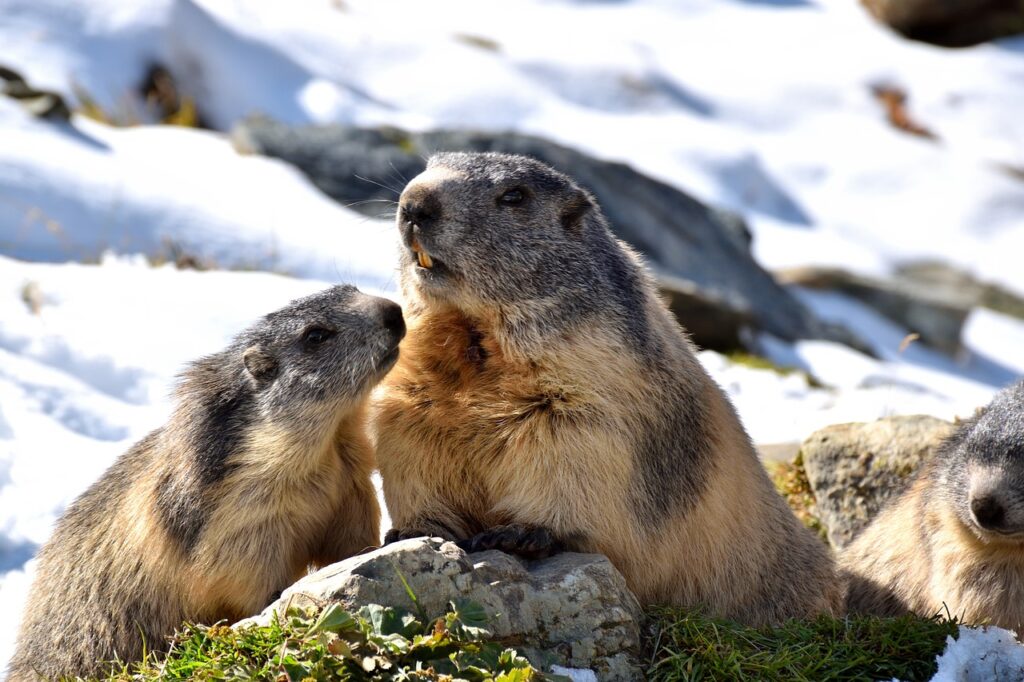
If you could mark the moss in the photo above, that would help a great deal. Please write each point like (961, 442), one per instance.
(759, 362)
(688, 646)
(790, 480)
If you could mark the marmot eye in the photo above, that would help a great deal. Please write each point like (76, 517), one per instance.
(314, 336)
(511, 197)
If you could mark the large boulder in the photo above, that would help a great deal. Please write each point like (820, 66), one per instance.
(855, 469)
(700, 255)
(571, 610)
(952, 23)
(936, 313)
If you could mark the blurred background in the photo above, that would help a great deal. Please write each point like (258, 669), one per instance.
(830, 193)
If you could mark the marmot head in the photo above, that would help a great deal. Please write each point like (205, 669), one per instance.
(496, 233)
(982, 469)
(305, 361)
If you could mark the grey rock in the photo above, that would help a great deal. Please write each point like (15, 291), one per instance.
(952, 23)
(572, 610)
(700, 255)
(936, 314)
(951, 283)
(855, 469)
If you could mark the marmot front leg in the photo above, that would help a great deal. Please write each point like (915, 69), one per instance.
(526, 541)
(355, 526)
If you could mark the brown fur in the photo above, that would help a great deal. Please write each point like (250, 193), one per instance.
(480, 426)
(118, 576)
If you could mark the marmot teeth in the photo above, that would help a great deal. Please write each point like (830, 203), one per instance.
(422, 256)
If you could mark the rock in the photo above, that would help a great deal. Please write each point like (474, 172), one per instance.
(572, 610)
(951, 23)
(936, 314)
(855, 469)
(700, 255)
(40, 103)
(948, 282)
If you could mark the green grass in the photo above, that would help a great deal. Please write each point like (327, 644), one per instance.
(374, 643)
(381, 643)
(687, 646)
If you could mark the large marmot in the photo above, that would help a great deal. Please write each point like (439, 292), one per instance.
(263, 469)
(953, 543)
(546, 398)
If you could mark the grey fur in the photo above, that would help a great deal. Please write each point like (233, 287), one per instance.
(992, 442)
(556, 237)
(93, 598)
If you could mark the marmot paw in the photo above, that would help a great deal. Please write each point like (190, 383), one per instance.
(528, 542)
(425, 530)
(396, 534)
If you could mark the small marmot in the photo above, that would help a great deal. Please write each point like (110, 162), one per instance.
(263, 469)
(546, 398)
(953, 543)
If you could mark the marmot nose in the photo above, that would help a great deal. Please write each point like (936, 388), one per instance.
(422, 210)
(391, 316)
(988, 512)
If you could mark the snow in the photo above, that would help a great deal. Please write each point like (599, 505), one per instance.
(987, 654)
(575, 674)
(763, 107)
(73, 192)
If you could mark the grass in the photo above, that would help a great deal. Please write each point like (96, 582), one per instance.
(382, 643)
(790, 480)
(688, 647)
(374, 643)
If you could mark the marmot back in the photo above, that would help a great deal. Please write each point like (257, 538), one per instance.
(547, 398)
(263, 469)
(954, 541)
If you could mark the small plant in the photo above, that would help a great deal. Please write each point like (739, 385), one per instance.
(374, 643)
(689, 647)
(790, 480)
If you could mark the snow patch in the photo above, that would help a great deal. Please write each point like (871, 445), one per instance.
(575, 674)
(987, 654)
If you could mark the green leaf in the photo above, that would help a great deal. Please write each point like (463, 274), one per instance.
(295, 671)
(467, 620)
(333, 619)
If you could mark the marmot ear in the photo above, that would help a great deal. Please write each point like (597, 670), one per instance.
(576, 208)
(260, 364)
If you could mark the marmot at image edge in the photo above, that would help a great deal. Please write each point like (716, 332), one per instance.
(953, 543)
(547, 399)
(262, 470)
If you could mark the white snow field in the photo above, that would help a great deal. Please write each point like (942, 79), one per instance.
(764, 106)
